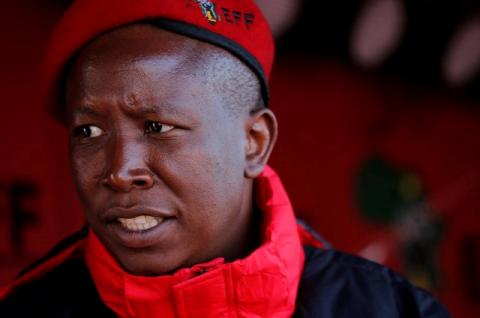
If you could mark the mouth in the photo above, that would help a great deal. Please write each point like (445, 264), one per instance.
(140, 223)
(139, 227)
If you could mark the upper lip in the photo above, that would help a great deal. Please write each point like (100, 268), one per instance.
(115, 213)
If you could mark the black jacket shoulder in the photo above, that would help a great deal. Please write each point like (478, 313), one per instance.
(66, 291)
(339, 285)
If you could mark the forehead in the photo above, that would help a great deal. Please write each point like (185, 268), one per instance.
(144, 45)
(141, 61)
(150, 61)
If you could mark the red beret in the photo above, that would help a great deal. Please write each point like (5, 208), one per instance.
(235, 25)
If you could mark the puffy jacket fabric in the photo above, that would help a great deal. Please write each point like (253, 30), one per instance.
(333, 284)
(339, 285)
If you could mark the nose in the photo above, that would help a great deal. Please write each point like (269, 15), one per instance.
(127, 167)
(131, 179)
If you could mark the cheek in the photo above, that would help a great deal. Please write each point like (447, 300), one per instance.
(209, 170)
(87, 168)
(211, 161)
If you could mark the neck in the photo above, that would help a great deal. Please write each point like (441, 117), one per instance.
(251, 238)
(245, 236)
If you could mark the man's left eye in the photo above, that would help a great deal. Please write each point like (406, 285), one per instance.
(88, 131)
(156, 127)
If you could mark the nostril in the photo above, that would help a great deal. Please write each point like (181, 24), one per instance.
(140, 183)
(144, 181)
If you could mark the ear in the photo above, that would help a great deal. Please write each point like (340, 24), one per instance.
(262, 130)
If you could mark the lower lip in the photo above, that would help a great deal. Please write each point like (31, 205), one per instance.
(141, 239)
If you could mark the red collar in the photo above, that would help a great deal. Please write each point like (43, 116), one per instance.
(264, 284)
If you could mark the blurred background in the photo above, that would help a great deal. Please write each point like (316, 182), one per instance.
(379, 110)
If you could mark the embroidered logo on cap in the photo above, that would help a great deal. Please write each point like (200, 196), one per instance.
(208, 10)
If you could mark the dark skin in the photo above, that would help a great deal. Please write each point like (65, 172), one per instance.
(166, 126)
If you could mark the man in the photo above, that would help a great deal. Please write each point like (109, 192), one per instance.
(169, 139)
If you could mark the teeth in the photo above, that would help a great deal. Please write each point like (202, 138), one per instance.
(140, 223)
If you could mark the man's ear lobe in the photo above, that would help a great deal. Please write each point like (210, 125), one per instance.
(262, 130)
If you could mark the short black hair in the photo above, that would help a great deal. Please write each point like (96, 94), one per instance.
(234, 80)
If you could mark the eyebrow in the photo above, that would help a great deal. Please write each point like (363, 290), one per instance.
(139, 111)
(146, 110)
(85, 110)
(164, 109)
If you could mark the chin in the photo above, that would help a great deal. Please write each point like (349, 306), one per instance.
(145, 264)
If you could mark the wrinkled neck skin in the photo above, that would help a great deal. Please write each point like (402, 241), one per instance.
(249, 235)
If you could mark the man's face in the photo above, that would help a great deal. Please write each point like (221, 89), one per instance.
(158, 161)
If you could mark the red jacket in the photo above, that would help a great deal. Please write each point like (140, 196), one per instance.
(264, 284)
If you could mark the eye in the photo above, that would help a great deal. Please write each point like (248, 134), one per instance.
(152, 127)
(88, 131)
